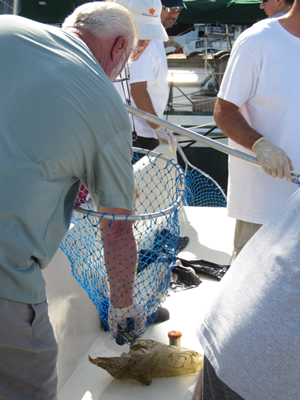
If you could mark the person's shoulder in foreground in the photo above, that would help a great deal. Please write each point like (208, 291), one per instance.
(250, 333)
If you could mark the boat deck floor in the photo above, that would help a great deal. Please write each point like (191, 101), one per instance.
(211, 237)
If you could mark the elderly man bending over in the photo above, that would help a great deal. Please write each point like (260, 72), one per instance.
(62, 122)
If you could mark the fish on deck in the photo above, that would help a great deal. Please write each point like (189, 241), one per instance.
(149, 359)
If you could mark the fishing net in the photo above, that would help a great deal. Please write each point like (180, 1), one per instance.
(202, 190)
(160, 184)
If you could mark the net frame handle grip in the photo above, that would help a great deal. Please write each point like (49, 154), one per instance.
(195, 136)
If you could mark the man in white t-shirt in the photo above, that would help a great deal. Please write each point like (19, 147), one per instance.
(256, 108)
(147, 17)
(149, 85)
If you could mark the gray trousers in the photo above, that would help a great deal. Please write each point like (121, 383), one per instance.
(145, 143)
(214, 388)
(28, 352)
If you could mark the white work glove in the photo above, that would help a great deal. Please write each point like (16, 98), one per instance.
(164, 137)
(126, 324)
(273, 159)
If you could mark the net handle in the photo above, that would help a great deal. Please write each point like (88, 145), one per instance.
(196, 136)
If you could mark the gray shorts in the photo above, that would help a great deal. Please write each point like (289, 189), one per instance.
(213, 387)
(28, 352)
(243, 233)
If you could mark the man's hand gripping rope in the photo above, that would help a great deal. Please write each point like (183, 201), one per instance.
(166, 137)
(126, 324)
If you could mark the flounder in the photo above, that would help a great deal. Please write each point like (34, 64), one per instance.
(149, 359)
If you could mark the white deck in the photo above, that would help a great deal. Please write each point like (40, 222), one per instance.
(77, 327)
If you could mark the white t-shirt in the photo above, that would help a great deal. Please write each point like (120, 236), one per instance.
(262, 78)
(250, 334)
(152, 68)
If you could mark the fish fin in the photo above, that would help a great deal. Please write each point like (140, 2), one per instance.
(125, 355)
(143, 375)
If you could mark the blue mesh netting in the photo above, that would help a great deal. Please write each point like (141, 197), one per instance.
(160, 185)
(202, 191)
(162, 188)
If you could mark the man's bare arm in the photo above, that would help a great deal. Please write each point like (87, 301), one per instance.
(273, 159)
(233, 124)
(120, 256)
(142, 99)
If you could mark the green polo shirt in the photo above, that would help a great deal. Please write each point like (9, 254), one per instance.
(61, 123)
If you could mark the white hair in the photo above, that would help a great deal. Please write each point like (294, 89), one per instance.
(104, 20)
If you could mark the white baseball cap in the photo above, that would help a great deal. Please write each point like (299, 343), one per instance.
(147, 17)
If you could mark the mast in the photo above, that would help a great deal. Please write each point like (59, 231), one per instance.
(16, 6)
